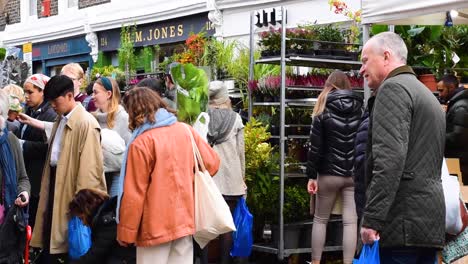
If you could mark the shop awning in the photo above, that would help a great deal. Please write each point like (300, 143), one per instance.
(412, 12)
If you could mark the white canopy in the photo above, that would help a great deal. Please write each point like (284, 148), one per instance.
(412, 12)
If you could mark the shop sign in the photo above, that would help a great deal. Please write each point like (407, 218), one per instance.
(174, 30)
(269, 16)
(60, 48)
(27, 55)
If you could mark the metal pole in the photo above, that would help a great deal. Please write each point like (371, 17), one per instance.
(282, 123)
(252, 61)
(365, 38)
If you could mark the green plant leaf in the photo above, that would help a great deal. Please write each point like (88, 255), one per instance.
(195, 82)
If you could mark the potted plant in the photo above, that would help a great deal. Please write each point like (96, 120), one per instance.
(270, 42)
(261, 162)
(295, 210)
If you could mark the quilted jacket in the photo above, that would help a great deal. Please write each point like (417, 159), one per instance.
(405, 201)
(332, 135)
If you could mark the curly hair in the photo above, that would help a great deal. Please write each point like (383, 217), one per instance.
(85, 203)
(141, 103)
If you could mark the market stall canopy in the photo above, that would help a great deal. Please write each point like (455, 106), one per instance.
(413, 12)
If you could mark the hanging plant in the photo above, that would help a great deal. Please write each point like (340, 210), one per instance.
(126, 52)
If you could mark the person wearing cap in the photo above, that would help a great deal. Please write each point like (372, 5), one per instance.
(110, 115)
(226, 136)
(170, 86)
(75, 72)
(74, 162)
(33, 140)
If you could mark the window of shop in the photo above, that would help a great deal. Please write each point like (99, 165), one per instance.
(72, 3)
(33, 7)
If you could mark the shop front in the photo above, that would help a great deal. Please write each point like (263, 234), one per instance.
(166, 34)
(50, 57)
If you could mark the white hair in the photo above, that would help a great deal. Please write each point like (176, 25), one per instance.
(392, 42)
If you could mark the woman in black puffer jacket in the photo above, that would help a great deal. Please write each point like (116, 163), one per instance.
(336, 118)
(96, 210)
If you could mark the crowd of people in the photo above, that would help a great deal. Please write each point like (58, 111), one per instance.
(125, 165)
(385, 160)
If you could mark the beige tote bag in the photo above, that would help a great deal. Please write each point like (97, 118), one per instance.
(212, 214)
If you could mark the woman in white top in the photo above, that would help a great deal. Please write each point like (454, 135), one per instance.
(111, 115)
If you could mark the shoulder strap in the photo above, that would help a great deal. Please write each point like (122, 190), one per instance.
(196, 153)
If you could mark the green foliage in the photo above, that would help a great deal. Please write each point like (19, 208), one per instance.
(434, 46)
(2, 54)
(296, 203)
(144, 59)
(239, 68)
(218, 55)
(126, 52)
(101, 62)
(261, 161)
(195, 82)
(109, 71)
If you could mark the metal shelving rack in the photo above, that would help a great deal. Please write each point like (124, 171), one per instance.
(282, 60)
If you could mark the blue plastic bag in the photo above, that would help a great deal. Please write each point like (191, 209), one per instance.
(242, 238)
(79, 238)
(369, 254)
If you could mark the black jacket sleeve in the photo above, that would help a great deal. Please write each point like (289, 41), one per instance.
(391, 123)
(458, 136)
(313, 156)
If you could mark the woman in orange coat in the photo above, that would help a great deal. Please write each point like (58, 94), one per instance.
(157, 199)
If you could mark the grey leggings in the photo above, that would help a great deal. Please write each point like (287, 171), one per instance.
(328, 188)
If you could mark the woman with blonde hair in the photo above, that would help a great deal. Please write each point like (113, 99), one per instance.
(336, 117)
(75, 72)
(110, 115)
(226, 136)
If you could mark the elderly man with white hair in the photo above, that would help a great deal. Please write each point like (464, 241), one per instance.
(14, 182)
(405, 203)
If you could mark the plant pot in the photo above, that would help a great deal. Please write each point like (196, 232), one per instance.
(274, 130)
(258, 98)
(429, 80)
(338, 52)
(291, 233)
(323, 52)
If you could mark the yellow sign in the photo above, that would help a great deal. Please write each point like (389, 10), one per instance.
(27, 48)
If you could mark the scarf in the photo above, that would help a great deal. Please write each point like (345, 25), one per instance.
(221, 123)
(8, 170)
(163, 118)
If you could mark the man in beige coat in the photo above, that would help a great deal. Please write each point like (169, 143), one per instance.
(74, 162)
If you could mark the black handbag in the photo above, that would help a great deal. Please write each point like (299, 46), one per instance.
(13, 236)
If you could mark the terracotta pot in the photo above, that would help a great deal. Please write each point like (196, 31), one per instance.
(429, 80)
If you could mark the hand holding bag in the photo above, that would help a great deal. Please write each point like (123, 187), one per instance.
(212, 214)
(369, 254)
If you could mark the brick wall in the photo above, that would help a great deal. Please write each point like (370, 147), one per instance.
(88, 3)
(12, 8)
(53, 8)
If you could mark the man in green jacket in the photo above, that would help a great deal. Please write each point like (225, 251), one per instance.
(405, 206)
